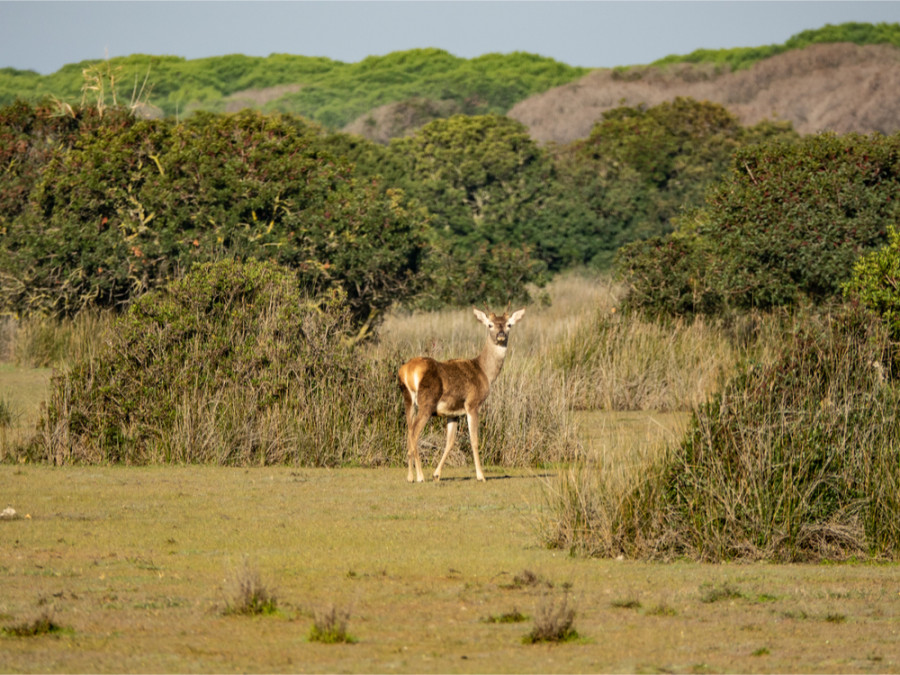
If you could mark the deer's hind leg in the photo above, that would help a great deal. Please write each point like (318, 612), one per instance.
(418, 423)
(412, 455)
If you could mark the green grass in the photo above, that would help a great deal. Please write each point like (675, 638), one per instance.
(135, 562)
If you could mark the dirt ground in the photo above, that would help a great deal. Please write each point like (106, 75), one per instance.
(137, 564)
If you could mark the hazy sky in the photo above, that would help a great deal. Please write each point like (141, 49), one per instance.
(45, 35)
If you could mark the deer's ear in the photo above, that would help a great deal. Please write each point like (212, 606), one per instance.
(517, 316)
(482, 317)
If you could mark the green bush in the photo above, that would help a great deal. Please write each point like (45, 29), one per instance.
(484, 182)
(876, 283)
(231, 365)
(796, 459)
(739, 58)
(785, 226)
(135, 203)
(331, 93)
(642, 166)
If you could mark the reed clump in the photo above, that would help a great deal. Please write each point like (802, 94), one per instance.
(795, 459)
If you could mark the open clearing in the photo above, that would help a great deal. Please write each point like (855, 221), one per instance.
(135, 564)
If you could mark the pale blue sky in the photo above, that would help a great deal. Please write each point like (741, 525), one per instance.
(45, 35)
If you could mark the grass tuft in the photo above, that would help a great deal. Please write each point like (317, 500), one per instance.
(527, 579)
(42, 625)
(553, 622)
(724, 591)
(515, 616)
(250, 595)
(330, 627)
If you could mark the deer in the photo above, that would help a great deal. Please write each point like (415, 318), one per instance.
(451, 389)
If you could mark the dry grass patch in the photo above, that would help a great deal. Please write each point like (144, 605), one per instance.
(553, 621)
(250, 595)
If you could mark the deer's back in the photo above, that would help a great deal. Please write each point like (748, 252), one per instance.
(452, 382)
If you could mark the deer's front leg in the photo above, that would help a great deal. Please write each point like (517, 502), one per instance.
(452, 425)
(472, 418)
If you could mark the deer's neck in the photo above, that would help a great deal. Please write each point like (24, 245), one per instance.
(491, 360)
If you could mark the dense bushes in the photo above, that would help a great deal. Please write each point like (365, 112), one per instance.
(640, 167)
(231, 365)
(797, 458)
(235, 365)
(105, 206)
(738, 58)
(485, 184)
(787, 224)
(329, 92)
(136, 203)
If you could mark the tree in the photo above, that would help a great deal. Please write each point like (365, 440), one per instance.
(134, 205)
(786, 224)
(486, 185)
(642, 166)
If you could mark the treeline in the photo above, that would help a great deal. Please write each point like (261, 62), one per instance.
(740, 58)
(98, 207)
(329, 92)
(334, 93)
(701, 214)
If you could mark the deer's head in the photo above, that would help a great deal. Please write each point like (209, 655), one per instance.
(498, 326)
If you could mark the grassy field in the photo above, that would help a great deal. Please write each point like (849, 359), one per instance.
(136, 565)
(134, 569)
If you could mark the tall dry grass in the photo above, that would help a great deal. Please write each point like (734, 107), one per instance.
(795, 459)
(44, 342)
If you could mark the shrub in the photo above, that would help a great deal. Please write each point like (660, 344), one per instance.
(641, 166)
(485, 183)
(250, 595)
(330, 627)
(876, 283)
(231, 365)
(786, 225)
(136, 203)
(553, 622)
(795, 459)
(45, 624)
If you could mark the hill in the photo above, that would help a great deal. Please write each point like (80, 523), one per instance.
(329, 92)
(842, 78)
(841, 87)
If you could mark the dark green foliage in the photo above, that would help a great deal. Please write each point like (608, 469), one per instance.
(795, 460)
(231, 365)
(876, 283)
(486, 185)
(739, 58)
(330, 92)
(793, 217)
(786, 225)
(671, 275)
(641, 167)
(30, 135)
(134, 204)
